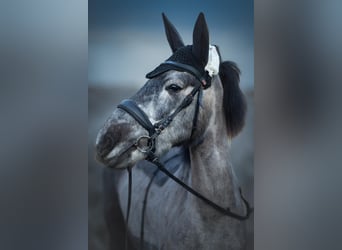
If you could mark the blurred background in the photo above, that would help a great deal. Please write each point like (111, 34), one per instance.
(126, 41)
(46, 138)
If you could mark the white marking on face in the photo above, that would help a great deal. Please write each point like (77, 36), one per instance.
(136, 155)
(116, 150)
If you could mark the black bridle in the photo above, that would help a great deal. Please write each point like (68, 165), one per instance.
(146, 144)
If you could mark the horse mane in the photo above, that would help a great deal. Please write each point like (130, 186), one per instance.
(234, 102)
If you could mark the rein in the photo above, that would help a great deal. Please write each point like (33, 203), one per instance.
(128, 204)
(146, 144)
(225, 211)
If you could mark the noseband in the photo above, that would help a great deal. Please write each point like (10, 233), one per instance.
(146, 144)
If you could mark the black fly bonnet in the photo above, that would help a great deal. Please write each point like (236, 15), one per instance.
(184, 60)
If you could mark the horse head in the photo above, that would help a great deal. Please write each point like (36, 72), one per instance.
(176, 104)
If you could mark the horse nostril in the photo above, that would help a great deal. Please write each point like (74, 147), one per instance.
(105, 145)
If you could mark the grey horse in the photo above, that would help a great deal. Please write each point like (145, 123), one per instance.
(194, 147)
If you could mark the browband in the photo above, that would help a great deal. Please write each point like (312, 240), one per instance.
(187, 68)
(204, 79)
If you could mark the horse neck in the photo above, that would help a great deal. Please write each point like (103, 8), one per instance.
(211, 173)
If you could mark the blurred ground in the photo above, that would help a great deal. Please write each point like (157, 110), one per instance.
(102, 101)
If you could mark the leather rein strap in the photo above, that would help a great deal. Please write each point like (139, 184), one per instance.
(225, 211)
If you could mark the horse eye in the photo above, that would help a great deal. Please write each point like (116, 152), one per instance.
(174, 88)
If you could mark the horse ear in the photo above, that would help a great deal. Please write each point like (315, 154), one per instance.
(200, 40)
(173, 37)
(234, 102)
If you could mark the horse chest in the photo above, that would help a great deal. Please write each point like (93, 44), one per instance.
(172, 222)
